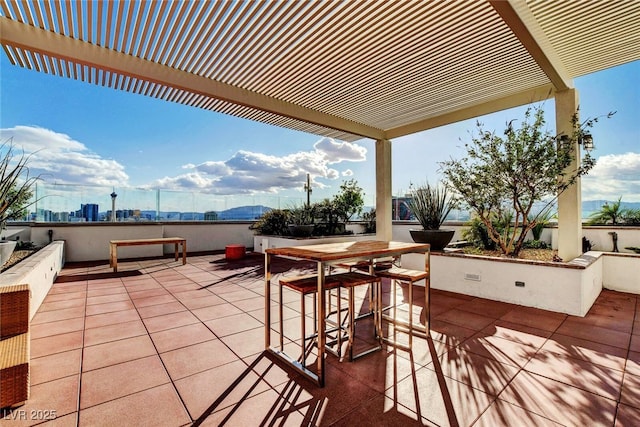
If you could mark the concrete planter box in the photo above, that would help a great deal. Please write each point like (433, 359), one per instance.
(6, 249)
(568, 288)
(39, 271)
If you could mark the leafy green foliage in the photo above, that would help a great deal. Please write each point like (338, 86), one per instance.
(430, 204)
(507, 174)
(631, 216)
(349, 200)
(274, 222)
(543, 219)
(302, 215)
(608, 214)
(535, 244)
(329, 215)
(476, 233)
(24, 245)
(369, 219)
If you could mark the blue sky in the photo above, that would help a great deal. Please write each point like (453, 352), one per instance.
(90, 135)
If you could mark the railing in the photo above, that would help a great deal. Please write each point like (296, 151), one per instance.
(89, 241)
(75, 203)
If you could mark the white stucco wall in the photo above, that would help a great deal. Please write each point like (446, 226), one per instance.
(91, 242)
(621, 272)
(565, 289)
(39, 271)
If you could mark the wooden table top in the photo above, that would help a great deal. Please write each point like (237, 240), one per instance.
(346, 250)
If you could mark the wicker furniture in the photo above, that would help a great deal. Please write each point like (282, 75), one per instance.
(14, 345)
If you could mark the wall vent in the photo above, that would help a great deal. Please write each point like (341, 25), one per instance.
(472, 276)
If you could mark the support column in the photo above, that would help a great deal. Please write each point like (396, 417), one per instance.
(570, 201)
(383, 190)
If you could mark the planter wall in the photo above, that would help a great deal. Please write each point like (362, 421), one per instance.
(620, 273)
(39, 271)
(6, 249)
(568, 288)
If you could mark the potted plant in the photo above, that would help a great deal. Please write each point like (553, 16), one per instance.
(273, 222)
(301, 220)
(430, 205)
(15, 192)
(335, 213)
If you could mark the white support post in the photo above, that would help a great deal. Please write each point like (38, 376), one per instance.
(569, 201)
(383, 190)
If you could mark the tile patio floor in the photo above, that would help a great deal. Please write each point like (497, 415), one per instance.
(162, 344)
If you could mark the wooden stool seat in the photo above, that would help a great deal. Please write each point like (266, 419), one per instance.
(350, 281)
(411, 276)
(306, 285)
(403, 274)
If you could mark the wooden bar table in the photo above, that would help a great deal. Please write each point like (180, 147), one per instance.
(326, 255)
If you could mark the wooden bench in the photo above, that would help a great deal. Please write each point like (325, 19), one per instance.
(113, 247)
(14, 345)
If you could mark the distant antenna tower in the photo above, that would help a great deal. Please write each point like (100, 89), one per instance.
(307, 188)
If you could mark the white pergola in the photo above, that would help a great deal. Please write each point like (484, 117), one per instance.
(348, 69)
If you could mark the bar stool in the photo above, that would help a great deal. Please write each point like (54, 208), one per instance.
(305, 285)
(350, 281)
(397, 274)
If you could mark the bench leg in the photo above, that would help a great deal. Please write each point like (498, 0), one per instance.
(184, 252)
(114, 258)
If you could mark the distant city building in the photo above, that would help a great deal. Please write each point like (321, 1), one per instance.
(400, 209)
(191, 216)
(60, 217)
(89, 212)
(44, 215)
(211, 216)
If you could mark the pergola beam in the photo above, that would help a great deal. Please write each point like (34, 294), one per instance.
(523, 98)
(34, 39)
(517, 15)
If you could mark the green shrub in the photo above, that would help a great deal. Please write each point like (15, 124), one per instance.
(369, 219)
(274, 222)
(541, 222)
(535, 244)
(477, 235)
(631, 216)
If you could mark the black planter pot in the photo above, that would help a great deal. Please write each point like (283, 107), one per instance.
(438, 239)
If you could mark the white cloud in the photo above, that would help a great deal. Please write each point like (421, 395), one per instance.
(248, 172)
(63, 160)
(614, 175)
(336, 152)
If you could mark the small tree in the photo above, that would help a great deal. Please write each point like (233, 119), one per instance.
(506, 175)
(608, 213)
(349, 201)
(15, 184)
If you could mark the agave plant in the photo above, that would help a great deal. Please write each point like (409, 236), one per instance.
(15, 183)
(430, 204)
